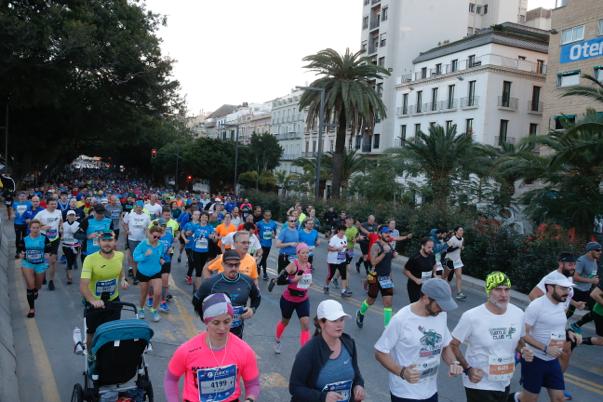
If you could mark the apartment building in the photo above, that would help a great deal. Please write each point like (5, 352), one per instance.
(575, 49)
(240, 118)
(394, 32)
(488, 84)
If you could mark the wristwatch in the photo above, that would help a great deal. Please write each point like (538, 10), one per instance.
(466, 371)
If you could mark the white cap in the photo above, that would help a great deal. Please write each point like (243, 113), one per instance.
(331, 310)
(557, 278)
(71, 212)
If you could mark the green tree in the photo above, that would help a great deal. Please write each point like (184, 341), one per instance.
(284, 181)
(352, 103)
(265, 153)
(378, 183)
(594, 91)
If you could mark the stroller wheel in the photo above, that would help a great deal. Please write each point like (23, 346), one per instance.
(78, 393)
(148, 389)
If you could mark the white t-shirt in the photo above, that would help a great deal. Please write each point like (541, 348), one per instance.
(52, 219)
(154, 209)
(137, 223)
(236, 221)
(337, 257)
(456, 254)
(491, 342)
(254, 244)
(548, 321)
(412, 339)
(69, 230)
(570, 296)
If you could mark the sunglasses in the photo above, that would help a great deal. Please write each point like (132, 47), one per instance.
(292, 221)
(156, 237)
(234, 265)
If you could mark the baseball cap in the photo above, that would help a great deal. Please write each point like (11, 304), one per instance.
(99, 209)
(566, 257)
(557, 278)
(140, 203)
(71, 212)
(231, 255)
(330, 310)
(384, 229)
(107, 235)
(439, 290)
(593, 245)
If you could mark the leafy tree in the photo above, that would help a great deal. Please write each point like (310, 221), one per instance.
(265, 152)
(378, 183)
(352, 162)
(351, 101)
(284, 181)
(593, 91)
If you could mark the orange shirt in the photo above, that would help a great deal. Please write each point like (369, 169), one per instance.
(222, 230)
(248, 266)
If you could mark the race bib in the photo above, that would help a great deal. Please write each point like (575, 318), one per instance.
(292, 258)
(217, 384)
(557, 340)
(386, 282)
(341, 256)
(21, 209)
(267, 234)
(305, 282)
(236, 319)
(108, 286)
(426, 275)
(341, 387)
(95, 241)
(428, 368)
(52, 234)
(501, 368)
(34, 256)
(202, 243)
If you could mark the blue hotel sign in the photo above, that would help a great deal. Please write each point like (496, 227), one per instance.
(586, 49)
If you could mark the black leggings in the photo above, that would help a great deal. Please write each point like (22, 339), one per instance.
(20, 232)
(199, 260)
(71, 257)
(264, 260)
(190, 261)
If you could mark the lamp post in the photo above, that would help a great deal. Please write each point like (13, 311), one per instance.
(321, 121)
(236, 161)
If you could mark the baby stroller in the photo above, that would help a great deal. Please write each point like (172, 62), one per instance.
(116, 367)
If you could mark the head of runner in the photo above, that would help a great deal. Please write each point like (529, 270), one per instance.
(231, 261)
(567, 263)
(106, 242)
(498, 288)
(436, 297)
(558, 287)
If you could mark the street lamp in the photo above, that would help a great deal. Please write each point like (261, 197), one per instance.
(321, 120)
(236, 154)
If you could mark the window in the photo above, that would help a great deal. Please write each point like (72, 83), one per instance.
(450, 102)
(572, 34)
(365, 22)
(478, 9)
(419, 101)
(383, 39)
(449, 125)
(564, 120)
(405, 104)
(402, 134)
(540, 66)
(502, 132)
(424, 72)
(381, 61)
(599, 73)
(600, 27)
(363, 46)
(521, 57)
(358, 142)
(568, 79)
(535, 102)
(434, 99)
(533, 128)
(384, 11)
(471, 94)
(438, 69)
(417, 129)
(469, 126)
(506, 94)
(471, 7)
(314, 146)
(454, 65)
(485, 9)
(471, 61)
(376, 138)
(379, 89)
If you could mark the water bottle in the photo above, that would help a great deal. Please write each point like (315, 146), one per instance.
(77, 341)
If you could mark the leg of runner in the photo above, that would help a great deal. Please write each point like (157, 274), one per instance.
(71, 261)
(190, 263)
(331, 272)
(342, 268)
(165, 286)
(387, 309)
(30, 283)
(304, 335)
(264, 262)
(369, 301)
(52, 268)
(144, 289)
(458, 273)
(156, 285)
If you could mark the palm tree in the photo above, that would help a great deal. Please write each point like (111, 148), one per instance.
(350, 97)
(283, 181)
(353, 162)
(594, 92)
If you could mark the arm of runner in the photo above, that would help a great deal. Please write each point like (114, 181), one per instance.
(410, 373)
(475, 374)
(409, 275)
(535, 293)
(206, 274)
(376, 254)
(255, 298)
(455, 368)
(597, 295)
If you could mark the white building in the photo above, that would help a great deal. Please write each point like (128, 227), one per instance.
(395, 31)
(489, 84)
(226, 125)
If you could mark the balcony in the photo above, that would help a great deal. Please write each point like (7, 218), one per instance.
(373, 45)
(507, 103)
(288, 136)
(535, 107)
(374, 21)
(308, 154)
(508, 140)
(471, 102)
(375, 1)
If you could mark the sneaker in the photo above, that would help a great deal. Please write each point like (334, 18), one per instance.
(346, 293)
(141, 313)
(359, 319)
(277, 347)
(169, 297)
(567, 395)
(516, 397)
(149, 302)
(130, 272)
(325, 290)
(461, 296)
(163, 307)
(155, 315)
(271, 284)
(188, 280)
(265, 276)
(335, 283)
(50, 285)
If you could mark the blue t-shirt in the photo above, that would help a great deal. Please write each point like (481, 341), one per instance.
(20, 208)
(166, 241)
(266, 232)
(287, 235)
(201, 238)
(183, 219)
(34, 252)
(190, 227)
(148, 265)
(309, 238)
(337, 375)
(96, 226)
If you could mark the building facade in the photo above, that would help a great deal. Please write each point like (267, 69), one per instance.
(576, 48)
(242, 118)
(488, 84)
(394, 32)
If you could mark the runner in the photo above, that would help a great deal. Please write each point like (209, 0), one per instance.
(167, 241)
(394, 236)
(267, 231)
(187, 235)
(298, 278)
(71, 246)
(366, 228)
(94, 227)
(34, 263)
(412, 345)
(101, 273)
(257, 214)
(492, 332)
(237, 285)
(224, 229)
(418, 268)
(322, 370)
(114, 211)
(33, 210)
(286, 241)
(585, 277)
(246, 208)
(248, 265)
(63, 204)
(153, 208)
(379, 278)
(182, 220)
(336, 258)
(214, 362)
(201, 238)
(149, 256)
(237, 219)
(135, 227)
(330, 218)
(440, 248)
(20, 206)
(545, 323)
(455, 246)
(597, 295)
(309, 236)
(52, 225)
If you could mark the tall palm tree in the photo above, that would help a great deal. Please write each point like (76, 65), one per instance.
(594, 91)
(350, 97)
(352, 162)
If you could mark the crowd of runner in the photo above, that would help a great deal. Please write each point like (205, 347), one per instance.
(226, 242)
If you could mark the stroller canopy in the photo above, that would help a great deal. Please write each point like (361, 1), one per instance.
(121, 330)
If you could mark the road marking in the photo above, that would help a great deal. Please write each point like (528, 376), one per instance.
(50, 391)
(187, 319)
(274, 380)
(586, 384)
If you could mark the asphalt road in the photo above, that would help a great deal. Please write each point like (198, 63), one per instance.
(47, 368)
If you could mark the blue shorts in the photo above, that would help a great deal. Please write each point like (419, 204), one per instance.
(541, 373)
(37, 268)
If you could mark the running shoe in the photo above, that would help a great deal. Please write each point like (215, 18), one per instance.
(130, 272)
(169, 297)
(155, 315)
(359, 319)
(271, 284)
(567, 395)
(164, 308)
(335, 283)
(325, 290)
(51, 285)
(277, 347)
(461, 296)
(346, 293)
(188, 280)
(265, 276)
(141, 313)
(149, 302)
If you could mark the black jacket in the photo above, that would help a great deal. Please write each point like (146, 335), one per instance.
(308, 363)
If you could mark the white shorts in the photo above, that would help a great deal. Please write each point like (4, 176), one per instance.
(457, 264)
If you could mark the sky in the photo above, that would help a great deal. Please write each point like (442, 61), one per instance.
(235, 51)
